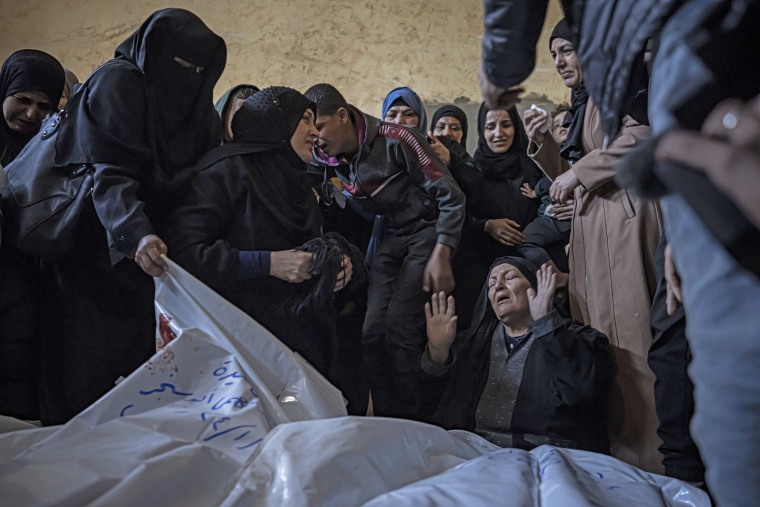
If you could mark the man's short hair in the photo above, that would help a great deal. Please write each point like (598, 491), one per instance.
(327, 98)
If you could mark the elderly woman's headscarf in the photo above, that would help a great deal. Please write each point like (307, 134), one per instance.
(27, 70)
(411, 99)
(483, 315)
(158, 89)
(454, 112)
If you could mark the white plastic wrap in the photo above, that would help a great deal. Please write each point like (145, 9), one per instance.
(227, 415)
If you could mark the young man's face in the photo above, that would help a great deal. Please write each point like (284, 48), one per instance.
(566, 62)
(332, 132)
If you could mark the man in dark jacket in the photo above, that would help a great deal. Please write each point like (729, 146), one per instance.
(521, 376)
(390, 170)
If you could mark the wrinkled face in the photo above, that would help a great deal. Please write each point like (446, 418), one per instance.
(508, 292)
(232, 108)
(24, 111)
(499, 131)
(305, 136)
(566, 62)
(334, 130)
(402, 115)
(559, 133)
(449, 126)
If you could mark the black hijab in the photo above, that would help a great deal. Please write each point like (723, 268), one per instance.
(472, 351)
(262, 130)
(145, 107)
(454, 112)
(572, 148)
(27, 70)
(514, 163)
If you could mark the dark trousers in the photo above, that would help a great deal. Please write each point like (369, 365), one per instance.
(393, 335)
(669, 357)
(545, 239)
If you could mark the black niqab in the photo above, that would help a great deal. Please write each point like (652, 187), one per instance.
(152, 105)
(27, 70)
(512, 164)
(454, 112)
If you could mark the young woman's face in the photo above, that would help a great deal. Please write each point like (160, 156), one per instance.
(24, 111)
(499, 131)
(305, 136)
(449, 126)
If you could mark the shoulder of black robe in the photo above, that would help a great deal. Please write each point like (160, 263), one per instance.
(512, 164)
(106, 120)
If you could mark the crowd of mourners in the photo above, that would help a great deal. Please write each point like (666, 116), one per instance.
(524, 289)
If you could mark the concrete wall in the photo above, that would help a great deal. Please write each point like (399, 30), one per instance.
(365, 48)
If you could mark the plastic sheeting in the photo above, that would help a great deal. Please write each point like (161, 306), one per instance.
(227, 415)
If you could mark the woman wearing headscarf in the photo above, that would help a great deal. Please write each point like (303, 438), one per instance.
(248, 209)
(451, 121)
(613, 239)
(404, 107)
(229, 104)
(497, 210)
(521, 375)
(31, 82)
(30, 85)
(139, 121)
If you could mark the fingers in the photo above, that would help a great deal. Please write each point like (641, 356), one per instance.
(694, 150)
(531, 294)
(149, 255)
(733, 121)
(433, 139)
(428, 312)
(450, 307)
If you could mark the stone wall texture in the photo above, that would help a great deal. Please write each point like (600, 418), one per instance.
(365, 48)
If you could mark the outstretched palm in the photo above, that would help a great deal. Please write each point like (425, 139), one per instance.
(541, 300)
(441, 321)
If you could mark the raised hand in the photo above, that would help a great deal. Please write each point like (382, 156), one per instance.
(441, 325)
(540, 300)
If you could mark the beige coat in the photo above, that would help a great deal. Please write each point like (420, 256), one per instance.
(612, 278)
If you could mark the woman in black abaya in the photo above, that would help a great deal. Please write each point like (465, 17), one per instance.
(139, 120)
(250, 205)
(31, 82)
